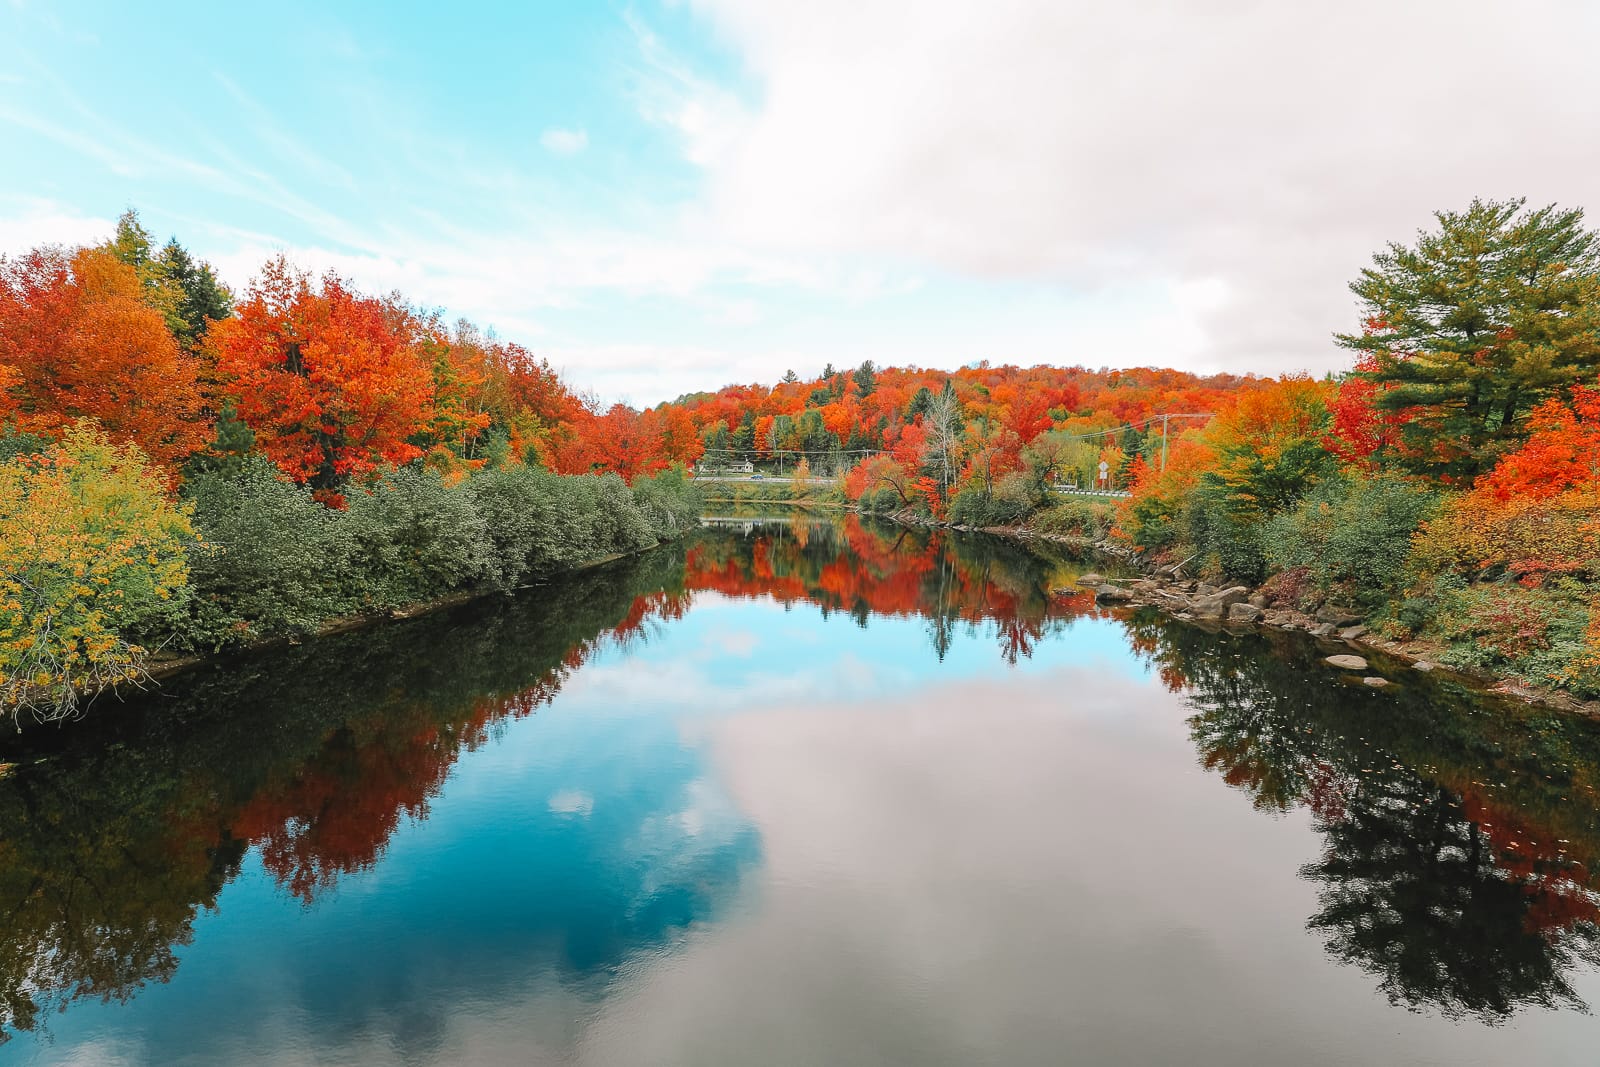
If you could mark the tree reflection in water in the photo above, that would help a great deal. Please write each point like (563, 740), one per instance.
(120, 833)
(1460, 839)
(1459, 836)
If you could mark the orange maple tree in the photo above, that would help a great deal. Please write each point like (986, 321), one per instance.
(335, 384)
(77, 341)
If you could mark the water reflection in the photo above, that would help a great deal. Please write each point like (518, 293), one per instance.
(1460, 846)
(977, 586)
(115, 845)
(1458, 838)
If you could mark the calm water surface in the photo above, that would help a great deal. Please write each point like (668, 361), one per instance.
(803, 792)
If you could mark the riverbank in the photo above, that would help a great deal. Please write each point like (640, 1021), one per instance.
(1342, 629)
(252, 561)
(322, 803)
(164, 668)
(1339, 630)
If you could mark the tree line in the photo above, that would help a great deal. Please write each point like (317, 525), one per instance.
(1443, 486)
(186, 469)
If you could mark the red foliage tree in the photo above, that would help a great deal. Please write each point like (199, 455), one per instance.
(1359, 429)
(333, 383)
(1562, 453)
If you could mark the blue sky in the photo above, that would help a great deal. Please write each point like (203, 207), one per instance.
(662, 197)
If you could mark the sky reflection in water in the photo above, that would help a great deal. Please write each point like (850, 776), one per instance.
(675, 813)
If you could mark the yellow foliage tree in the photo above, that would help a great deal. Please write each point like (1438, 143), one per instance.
(90, 547)
(802, 478)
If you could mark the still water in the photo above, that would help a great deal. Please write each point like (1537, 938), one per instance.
(810, 792)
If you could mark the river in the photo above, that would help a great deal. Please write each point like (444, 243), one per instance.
(802, 791)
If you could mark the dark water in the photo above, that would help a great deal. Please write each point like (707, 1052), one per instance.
(802, 792)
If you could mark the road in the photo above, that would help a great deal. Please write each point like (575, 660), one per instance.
(765, 479)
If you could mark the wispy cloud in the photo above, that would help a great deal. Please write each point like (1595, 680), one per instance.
(668, 91)
(266, 131)
(564, 142)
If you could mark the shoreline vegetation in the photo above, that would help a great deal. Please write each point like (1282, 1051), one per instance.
(186, 470)
(267, 564)
(1338, 630)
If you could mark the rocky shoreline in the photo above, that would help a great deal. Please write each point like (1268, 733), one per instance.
(1241, 607)
(1342, 630)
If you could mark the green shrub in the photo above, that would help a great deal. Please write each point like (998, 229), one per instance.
(1536, 635)
(416, 539)
(1155, 521)
(670, 501)
(1228, 542)
(605, 518)
(14, 443)
(1353, 534)
(281, 563)
(517, 505)
(274, 560)
(1089, 519)
(1008, 503)
(882, 501)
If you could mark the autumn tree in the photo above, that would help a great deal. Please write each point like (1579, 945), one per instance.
(1047, 457)
(1268, 447)
(679, 442)
(1267, 452)
(1152, 516)
(90, 549)
(334, 384)
(1221, 483)
(78, 340)
(877, 474)
(460, 414)
(529, 403)
(1467, 331)
(941, 455)
(623, 440)
(1536, 512)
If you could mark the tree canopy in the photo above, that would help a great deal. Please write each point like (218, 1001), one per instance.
(1485, 317)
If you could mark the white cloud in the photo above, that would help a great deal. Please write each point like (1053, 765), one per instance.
(572, 802)
(1260, 151)
(708, 118)
(28, 223)
(564, 142)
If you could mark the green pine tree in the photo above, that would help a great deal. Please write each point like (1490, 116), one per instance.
(866, 378)
(1487, 316)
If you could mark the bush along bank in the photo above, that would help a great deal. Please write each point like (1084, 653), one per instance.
(104, 575)
(1358, 561)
